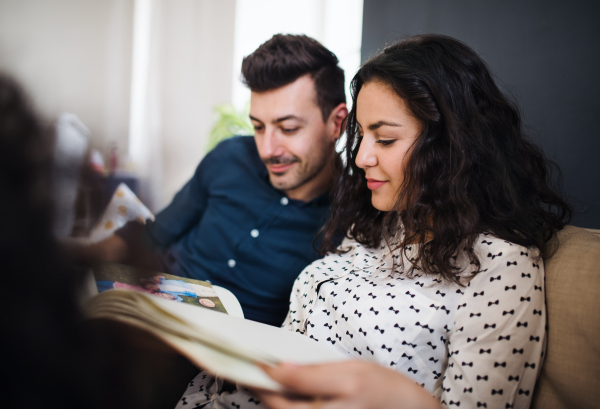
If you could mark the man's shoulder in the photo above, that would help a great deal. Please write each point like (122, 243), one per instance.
(232, 154)
(242, 147)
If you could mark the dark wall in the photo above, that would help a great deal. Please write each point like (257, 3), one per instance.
(545, 53)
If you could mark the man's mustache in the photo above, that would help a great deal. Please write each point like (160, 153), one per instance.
(281, 160)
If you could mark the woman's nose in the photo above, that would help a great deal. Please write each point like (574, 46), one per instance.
(366, 156)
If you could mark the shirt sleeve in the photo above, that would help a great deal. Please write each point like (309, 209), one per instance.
(300, 293)
(188, 205)
(497, 342)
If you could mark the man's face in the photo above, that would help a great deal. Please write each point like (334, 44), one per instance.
(293, 141)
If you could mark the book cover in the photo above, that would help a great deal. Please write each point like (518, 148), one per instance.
(109, 276)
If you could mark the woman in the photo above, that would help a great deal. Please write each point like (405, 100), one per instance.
(448, 210)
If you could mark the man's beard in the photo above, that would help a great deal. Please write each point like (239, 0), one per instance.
(301, 175)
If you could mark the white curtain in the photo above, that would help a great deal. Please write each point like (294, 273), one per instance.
(337, 24)
(142, 75)
(181, 69)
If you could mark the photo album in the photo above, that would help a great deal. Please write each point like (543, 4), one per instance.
(187, 316)
(110, 276)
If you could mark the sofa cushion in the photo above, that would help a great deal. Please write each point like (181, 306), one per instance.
(570, 376)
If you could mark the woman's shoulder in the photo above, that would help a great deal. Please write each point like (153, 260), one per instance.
(498, 256)
(489, 247)
(331, 261)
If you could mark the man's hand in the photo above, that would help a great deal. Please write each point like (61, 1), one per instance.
(347, 385)
(113, 249)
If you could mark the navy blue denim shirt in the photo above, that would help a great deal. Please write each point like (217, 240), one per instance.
(229, 225)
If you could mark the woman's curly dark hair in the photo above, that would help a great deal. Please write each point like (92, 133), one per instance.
(471, 170)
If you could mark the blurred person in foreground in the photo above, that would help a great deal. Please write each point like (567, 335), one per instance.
(247, 218)
(52, 357)
(437, 292)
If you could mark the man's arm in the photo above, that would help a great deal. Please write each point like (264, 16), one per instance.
(184, 212)
(188, 205)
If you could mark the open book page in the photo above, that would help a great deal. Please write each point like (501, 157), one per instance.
(110, 276)
(224, 345)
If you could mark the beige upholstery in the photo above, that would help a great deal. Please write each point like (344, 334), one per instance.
(570, 377)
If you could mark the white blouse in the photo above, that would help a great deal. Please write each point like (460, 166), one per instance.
(477, 345)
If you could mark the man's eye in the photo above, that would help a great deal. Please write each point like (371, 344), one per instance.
(258, 128)
(386, 142)
(289, 130)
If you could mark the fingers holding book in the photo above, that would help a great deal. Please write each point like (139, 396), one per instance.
(355, 384)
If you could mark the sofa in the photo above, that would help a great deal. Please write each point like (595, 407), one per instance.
(570, 376)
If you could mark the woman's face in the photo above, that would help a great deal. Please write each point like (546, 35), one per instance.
(388, 131)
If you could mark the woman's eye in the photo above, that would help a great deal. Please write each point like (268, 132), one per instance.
(386, 142)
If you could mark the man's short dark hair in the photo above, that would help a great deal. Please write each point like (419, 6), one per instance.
(285, 58)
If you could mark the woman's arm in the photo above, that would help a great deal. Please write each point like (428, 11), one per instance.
(496, 343)
(350, 384)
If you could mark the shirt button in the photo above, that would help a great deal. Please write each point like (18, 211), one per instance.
(231, 263)
(254, 233)
(284, 200)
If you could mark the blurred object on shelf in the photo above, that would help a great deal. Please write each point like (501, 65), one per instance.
(113, 158)
(97, 185)
(128, 165)
(97, 161)
(69, 153)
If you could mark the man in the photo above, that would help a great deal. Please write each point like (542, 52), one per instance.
(248, 217)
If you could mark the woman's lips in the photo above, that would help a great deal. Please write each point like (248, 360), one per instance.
(375, 184)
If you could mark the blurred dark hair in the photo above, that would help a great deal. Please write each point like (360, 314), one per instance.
(52, 358)
(470, 171)
(38, 294)
(285, 58)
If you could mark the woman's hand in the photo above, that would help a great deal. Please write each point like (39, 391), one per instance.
(347, 385)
